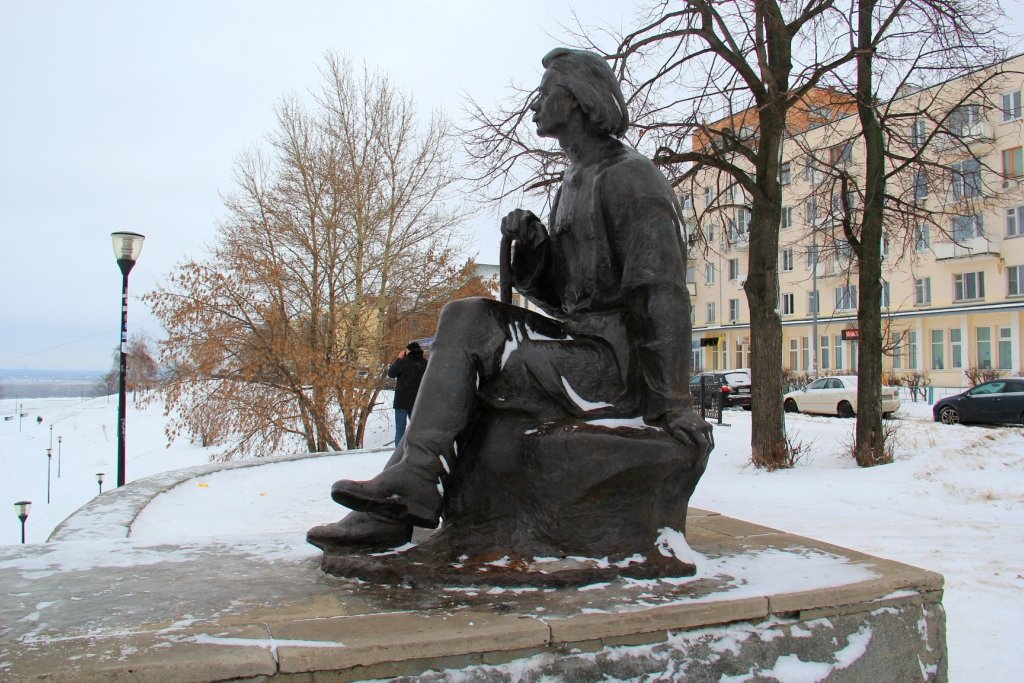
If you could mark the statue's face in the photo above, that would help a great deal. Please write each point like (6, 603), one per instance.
(553, 107)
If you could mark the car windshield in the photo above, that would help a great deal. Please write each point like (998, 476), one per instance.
(737, 378)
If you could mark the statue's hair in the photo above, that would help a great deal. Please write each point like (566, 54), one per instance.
(590, 80)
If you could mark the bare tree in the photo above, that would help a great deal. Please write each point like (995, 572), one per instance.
(916, 71)
(344, 229)
(710, 87)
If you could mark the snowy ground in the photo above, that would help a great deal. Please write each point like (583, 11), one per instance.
(953, 501)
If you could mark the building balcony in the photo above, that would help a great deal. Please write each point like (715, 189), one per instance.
(977, 246)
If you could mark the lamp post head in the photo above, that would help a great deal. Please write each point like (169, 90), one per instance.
(127, 247)
(49, 452)
(21, 507)
(99, 477)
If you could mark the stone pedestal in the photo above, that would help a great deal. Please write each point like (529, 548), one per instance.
(564, 504)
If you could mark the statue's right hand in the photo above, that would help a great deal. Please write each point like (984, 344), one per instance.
(519, 224)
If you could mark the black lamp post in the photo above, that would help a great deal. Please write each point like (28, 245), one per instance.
(59, 439)
(21, 507)
(127, 247)
(99, 480)
(49, 459)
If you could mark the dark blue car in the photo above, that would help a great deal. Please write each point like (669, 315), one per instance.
(998, 401)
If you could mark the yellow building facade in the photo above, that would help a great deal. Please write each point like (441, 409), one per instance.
(953, 284)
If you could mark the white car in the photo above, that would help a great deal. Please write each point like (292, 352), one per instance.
(835, 396)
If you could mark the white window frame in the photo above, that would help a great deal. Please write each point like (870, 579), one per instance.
(709, 273)
(788, 303)
(787, 218)
(734, 310)
(787, 260)
(923, 291)
(969, 286)
(1011, 106)
(1015, 221)
(966, 179)
(1015, 281)
(922, 237)
(709, 312)
(846, 298)
(785, 173)
(938, 343)
(956, 348)
(968, 227)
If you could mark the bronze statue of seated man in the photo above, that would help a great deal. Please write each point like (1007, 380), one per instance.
(608, 268)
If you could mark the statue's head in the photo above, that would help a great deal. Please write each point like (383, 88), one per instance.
(592, 84)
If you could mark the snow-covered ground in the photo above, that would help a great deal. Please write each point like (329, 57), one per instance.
(952, 502)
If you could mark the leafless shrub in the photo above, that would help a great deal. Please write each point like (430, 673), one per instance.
(976, 375)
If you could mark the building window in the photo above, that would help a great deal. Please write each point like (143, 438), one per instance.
(786, 173)
(740, 226)
(885, 294)
(709, 314)
(824, 353)
(846, 298)
(811, 210)
(734, 269)
(1005, 348)
(969, 286)
(730, 192)
(962, 118)
(794, 354)
(912, 350)
(922, 237)
(812, 256)
(839, 155)
(788, 304)
(896, 344)
(967, 227)
(812, 303)
(938, 346)
(709, 196)
(838, 342)
(805, 353)
(709, 232)
(734, 310)
(1013, 162)
(885, 246)
(920, 185)
(787, 259)
(984, 344)
(811, 173)
(1015, 221)
(956, 354)
(687, 201)
(966, 179)
(739, 354)
(709, 273)
(844, 250)
(1015, 281)
(918, 132)
(787, 217)
(1011, 106)
(923, 291)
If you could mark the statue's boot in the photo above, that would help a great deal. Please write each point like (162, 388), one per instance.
(360, 531)
(408, 491)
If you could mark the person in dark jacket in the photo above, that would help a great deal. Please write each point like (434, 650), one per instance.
(407, 371)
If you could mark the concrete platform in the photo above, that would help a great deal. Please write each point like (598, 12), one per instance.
(765, 605)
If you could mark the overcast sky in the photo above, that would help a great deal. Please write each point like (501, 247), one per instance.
(128, 115)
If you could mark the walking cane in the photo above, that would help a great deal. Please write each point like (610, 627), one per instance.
(505, 270)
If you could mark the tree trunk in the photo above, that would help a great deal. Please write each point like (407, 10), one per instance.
(769, 448)
(869, 446)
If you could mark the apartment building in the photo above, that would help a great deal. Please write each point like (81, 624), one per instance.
(953, 265)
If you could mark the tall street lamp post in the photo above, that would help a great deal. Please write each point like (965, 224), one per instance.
(21, 507)
(99, 480)
(127, 247)
(49, 459)
(59, 439)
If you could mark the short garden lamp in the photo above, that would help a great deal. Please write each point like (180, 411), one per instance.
(99, 480)
(21, 507)
(127, 247)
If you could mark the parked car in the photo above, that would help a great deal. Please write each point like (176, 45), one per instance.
(835, 396)
(735, 387)
(1001, 400)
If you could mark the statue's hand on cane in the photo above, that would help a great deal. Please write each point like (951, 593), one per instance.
(518, 225)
